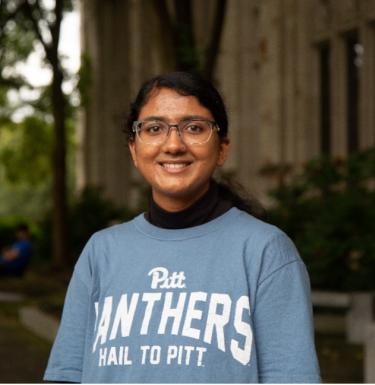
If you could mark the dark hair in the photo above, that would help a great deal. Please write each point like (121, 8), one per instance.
(232, 190)
(185, 83)
(22, 227)
(192, 84)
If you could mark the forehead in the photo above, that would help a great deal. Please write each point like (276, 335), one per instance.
(168, 103)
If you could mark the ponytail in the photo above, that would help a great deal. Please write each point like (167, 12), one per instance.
(234, 192)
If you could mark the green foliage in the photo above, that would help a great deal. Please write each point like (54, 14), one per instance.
(88, 213)
(187, 56)
(69, 5)
(31, 27)
(25, 166)
(18, 45)
(23, 200)
(25, 171)
(329, 212)
(92, 212)
(6, 232)
(25, 151)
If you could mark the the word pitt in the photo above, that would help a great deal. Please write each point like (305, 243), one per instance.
(163, 280)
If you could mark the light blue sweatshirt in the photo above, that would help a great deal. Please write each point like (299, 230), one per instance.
(224, 302)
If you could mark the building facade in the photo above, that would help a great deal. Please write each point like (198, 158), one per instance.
(298, 78)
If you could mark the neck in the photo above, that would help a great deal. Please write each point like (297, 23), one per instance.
(207, 207)
(175, 204)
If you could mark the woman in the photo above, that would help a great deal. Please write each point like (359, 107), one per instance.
(195, 290)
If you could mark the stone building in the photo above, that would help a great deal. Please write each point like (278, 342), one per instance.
(298, 77)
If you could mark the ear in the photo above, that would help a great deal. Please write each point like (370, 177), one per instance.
(223, 151)
(133, 152)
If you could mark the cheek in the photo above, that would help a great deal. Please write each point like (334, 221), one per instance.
(208, 161)
(141, 156)
(213, 155)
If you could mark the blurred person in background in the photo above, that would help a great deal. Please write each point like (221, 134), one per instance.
(15, 259)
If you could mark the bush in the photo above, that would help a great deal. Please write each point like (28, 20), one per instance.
(7, 237)
(92, 212)
(89, 212)
(329, 211)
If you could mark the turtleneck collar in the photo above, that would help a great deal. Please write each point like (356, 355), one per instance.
(210, 206)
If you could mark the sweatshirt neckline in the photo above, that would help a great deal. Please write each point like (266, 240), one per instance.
(152, 231)
(208, 207)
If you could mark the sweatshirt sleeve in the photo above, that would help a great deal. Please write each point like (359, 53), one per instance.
(67, 355)
(283, 318)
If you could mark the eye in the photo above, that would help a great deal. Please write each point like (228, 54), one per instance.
(195, 127)
(152, 128)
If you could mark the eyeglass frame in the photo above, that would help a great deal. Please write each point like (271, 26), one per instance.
(213, 124)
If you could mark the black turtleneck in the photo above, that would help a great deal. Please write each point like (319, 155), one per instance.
(210, 206)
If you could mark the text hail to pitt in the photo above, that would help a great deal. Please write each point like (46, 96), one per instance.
(211, 326)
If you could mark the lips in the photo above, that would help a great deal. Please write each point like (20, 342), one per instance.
(175, 166)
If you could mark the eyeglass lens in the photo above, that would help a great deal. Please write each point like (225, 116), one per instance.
(193, 131)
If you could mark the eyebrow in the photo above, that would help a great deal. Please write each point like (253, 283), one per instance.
(185, 117)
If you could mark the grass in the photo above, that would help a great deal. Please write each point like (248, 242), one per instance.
(41, 288)
(23, 356)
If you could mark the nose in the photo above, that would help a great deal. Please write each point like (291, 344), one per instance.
(174, 143)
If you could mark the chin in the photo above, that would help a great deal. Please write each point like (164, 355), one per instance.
(180, 192)
(177, 192)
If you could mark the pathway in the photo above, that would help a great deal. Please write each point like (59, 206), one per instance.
(23, 356)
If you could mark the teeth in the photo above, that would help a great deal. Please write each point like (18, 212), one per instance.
(174, 166)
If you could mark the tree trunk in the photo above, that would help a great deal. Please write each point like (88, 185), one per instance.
(185, 47)
(60, 235)
(177, 29)
(34, 11)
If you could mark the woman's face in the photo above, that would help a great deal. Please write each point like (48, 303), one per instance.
(178, 173)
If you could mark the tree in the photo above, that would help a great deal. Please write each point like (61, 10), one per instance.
(37, 15)
(15, 44)
(33, 17)
(178, 30)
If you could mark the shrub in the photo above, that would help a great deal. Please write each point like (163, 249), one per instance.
(92, 212)
(88, 213)
(329, 211)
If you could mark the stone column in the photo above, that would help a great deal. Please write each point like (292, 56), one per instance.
(267, 88)
(106, 47)
(369, 368)
(360, 315)
(303, 138)
(367, 89)
(123, 49)
(271, 46)
(237, 76)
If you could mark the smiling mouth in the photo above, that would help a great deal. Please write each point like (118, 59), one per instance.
(175, 167)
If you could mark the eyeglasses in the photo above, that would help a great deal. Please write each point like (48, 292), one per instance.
(192, 131)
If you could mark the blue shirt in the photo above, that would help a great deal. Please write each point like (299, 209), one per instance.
(226, 301)
(24, 249)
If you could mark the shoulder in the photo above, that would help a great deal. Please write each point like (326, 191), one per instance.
(22, 245)
(111, 235)
(265, 245)
(99, 248)
(114, 233)
(246, 225)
